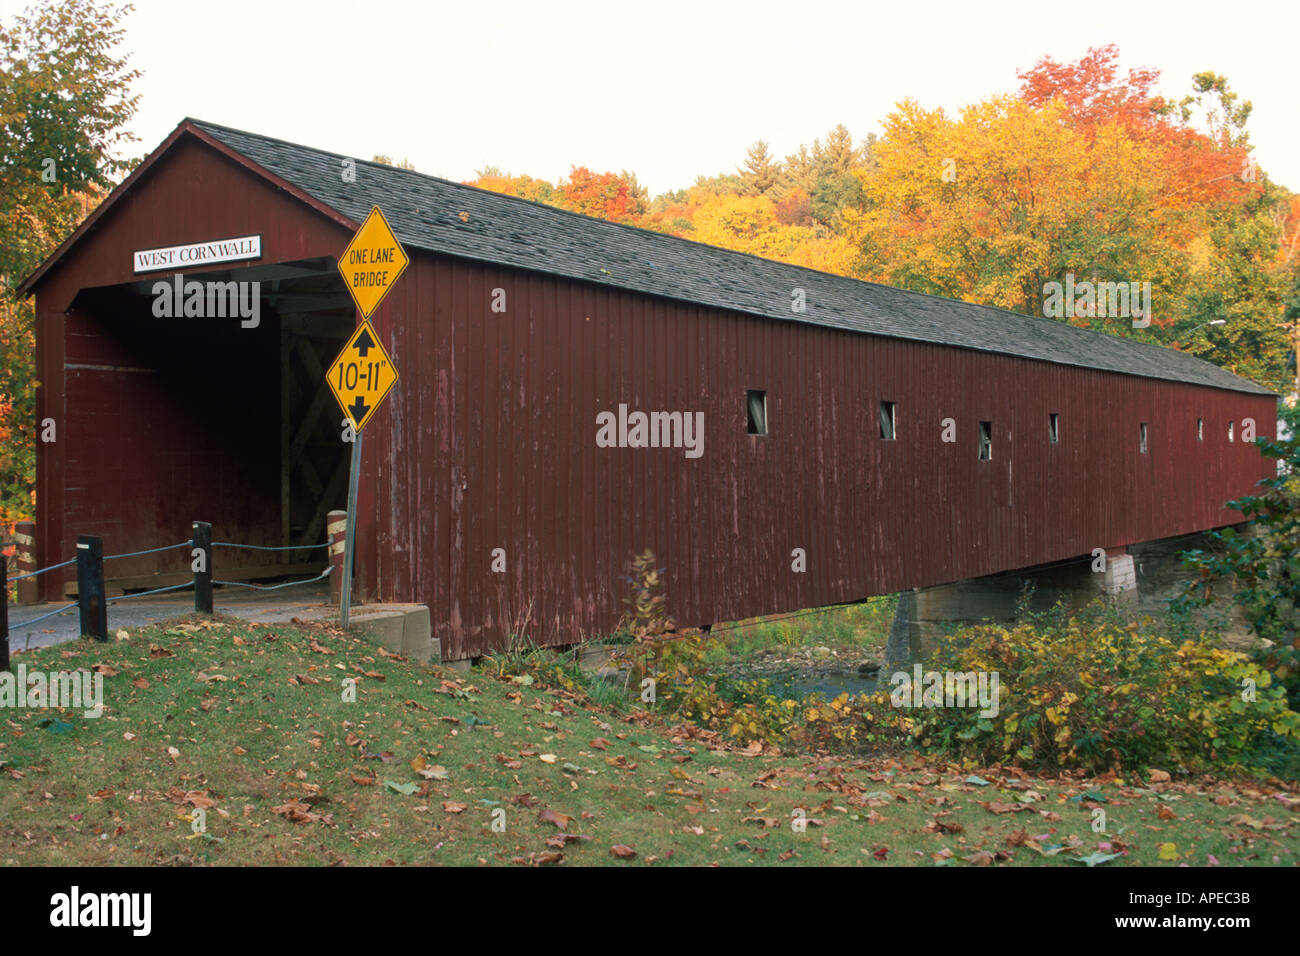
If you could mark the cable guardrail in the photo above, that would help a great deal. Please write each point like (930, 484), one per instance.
(275, 587)
(52, 567)
(136, 554)
(37, 620)
(92, 600)
(140, 594)
(265, 547)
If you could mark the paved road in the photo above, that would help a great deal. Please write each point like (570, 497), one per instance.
(308, 600)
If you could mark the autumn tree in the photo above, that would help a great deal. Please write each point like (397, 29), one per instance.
(830, 174)
(614, 196)
(1243, 279)
(65, 101)
(1085, 173)
(385, 160)
(525, 187)
(759, 172)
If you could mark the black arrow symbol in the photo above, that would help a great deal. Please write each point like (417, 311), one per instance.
(364, 343)
(358, 408)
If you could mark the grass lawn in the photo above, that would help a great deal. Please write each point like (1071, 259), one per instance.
(249, 724)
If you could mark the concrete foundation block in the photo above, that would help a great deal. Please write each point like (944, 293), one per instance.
(401, 628)
(417, 636)
(386, 630)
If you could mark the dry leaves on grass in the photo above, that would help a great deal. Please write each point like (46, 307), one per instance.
(996, 806)
(561, 840)
(560, 821)
(300, 812)
(939, 826)
(539, 859)
(198, 799)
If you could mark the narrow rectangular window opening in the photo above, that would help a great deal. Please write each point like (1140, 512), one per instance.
(1230, 426)
(986, 441)
(1200, 429)
(756, 410)
(1053, 428)
(1142, 438)
(887, 421)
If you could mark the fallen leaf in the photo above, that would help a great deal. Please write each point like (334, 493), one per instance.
(995, 806)
(560, 820)
(299, 812)
(561, 840)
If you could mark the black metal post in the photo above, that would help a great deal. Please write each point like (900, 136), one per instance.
(201, 563)
(90, 587)
(4, 614)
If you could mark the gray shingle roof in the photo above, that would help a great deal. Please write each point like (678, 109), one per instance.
(424, 211)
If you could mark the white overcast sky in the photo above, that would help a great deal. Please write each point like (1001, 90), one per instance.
(666, 89)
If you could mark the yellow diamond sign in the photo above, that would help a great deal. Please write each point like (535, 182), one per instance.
(372, 262)
(361, 375)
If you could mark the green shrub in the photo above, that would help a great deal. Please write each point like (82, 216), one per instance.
(1265, 567)
(1089, 692)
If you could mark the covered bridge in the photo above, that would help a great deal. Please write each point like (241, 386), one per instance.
(805, 457)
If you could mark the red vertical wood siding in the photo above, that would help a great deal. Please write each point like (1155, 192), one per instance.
(497, 449)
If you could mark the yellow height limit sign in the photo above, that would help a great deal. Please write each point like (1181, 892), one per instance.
(361, 375)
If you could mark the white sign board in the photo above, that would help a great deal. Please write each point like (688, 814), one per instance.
(198, 254)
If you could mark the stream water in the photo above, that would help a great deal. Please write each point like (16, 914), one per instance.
(827, 684)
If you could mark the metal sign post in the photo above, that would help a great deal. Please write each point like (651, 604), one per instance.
(350, 534)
